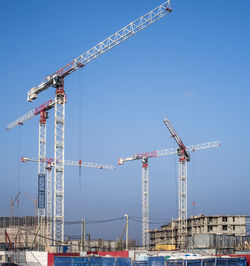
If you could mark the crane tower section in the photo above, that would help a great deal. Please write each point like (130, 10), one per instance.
(145, 203)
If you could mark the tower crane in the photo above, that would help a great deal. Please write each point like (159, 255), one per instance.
(43, 111)
(145, 178)
(184, 157)
(56, 80)
(49, 164)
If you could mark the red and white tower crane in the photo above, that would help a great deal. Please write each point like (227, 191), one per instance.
(182, 173)
(145, 178)
(183, 153)
(49, 165)
(43, 111)
(56, 80)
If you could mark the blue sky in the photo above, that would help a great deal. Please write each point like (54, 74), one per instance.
(192, 65)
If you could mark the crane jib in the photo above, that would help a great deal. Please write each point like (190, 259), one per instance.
(102, 47)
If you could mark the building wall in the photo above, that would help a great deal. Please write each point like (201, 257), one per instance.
(200, 225)
(19, 238)
(21, 231)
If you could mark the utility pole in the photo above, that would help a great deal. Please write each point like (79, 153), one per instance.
(172, 242)
(126, 231)
(83, 235)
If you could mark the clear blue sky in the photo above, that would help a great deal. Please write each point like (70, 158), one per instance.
(192, 65)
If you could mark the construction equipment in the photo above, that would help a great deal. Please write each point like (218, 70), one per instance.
(71, 163)
(34, 201)
(183, 153)
(145, 178)
(56, 80)
(8, 243)
(49, 164)
(45, 163)
(182, 202)
(43, 111)
(40, 109)
(13, 201)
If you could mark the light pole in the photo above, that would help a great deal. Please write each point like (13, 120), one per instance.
(126, 231)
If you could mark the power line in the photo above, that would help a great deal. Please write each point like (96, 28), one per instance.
(140, 221)
(94, 221)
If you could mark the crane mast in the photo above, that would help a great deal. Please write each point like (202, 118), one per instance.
(182, 173)
(41, 173)
(145, 203)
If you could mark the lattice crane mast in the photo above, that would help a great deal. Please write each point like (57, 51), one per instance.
(49, 164)
(182, 204)
(56, 80)
(145, 178)
(183, 153)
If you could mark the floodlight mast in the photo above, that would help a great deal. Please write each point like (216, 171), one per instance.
(56, 80)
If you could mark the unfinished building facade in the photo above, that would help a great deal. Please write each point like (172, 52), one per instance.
(198, 227)
(21, 232)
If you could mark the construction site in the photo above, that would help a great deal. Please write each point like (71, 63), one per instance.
(76, 192)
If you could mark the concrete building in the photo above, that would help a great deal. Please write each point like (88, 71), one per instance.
(210, 226)
(21, 231)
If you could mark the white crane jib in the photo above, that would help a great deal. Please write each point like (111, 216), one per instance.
(79, 163)
(145, 178)
(102, 47)
(44, 107)
(56, 80)
(49, 164)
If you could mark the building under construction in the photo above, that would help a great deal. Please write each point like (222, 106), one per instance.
(213, 234)
(18, 232)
